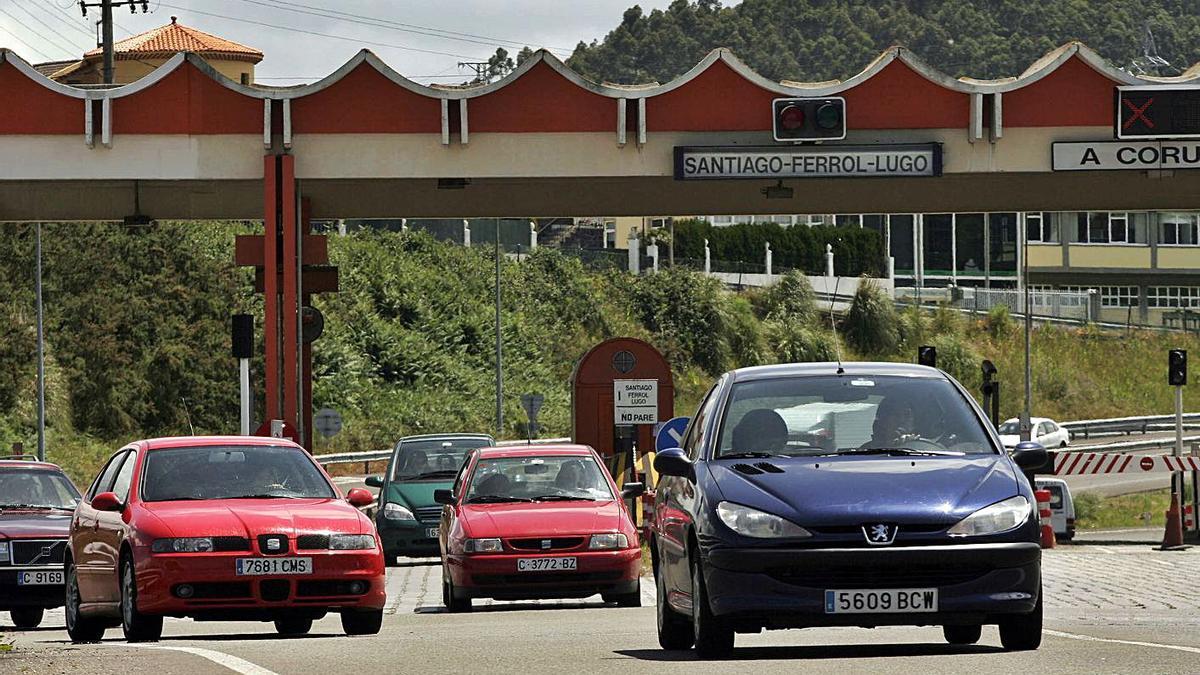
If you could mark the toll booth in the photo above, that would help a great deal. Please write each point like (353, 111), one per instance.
(620, 390)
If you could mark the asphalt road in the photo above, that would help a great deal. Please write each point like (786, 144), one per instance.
(1105, 614)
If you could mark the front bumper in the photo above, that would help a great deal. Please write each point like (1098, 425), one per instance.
(785, 588)
(496, 576)
(406, 537)
(14, 596)
(218, 590)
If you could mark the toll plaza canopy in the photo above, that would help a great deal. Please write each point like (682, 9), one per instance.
(186, 142)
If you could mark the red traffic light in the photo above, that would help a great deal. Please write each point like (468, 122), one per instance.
(809, 119)
(791, 118)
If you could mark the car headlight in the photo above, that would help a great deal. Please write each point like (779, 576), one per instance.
(483, 546)
(397, 512)
(604, 542)
(183, 545)
(754, 523)
(4, 552)
(351, 542)
(999, 517)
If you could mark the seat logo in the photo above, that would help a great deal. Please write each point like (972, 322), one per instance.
(880, 534)
(546, 544)
(274, 544)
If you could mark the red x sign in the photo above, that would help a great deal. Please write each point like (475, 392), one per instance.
(1138, 113)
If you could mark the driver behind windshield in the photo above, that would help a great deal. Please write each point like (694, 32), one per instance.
(761, 430)
(895, 423)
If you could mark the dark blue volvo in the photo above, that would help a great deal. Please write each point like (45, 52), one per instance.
(865, 495)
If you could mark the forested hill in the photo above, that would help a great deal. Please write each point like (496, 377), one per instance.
(814, 40)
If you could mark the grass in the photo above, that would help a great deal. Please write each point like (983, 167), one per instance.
(1093, 512)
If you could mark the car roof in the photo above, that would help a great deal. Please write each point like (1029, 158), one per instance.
(1032, 420)
(865, 368)
(559, 450)
(28, 464)
(1049, 481)
(435, 437)
(216, 441)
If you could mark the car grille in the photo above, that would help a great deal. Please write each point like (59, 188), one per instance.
(556, 543)
(217, 590)
(38, 551)
(274, 590)
(543, 578)
(308, 589)
(428, 514)
(312, 542)
(223, 544)
(922, 528)
(876, 578)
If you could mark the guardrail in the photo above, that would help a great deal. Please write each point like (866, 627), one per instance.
(1127, 425)
(1131, 446)
(369, 456)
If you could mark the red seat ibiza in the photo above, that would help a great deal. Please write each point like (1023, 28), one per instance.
(537, 522)
(219, 528)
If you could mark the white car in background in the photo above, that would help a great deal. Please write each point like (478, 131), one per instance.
(1045, 431)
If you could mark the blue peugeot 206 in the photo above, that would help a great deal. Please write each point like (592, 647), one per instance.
(865, 495)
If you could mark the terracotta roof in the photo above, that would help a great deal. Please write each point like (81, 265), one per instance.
(48, 68)
(166, 41)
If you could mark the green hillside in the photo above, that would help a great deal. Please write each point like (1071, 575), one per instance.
(815, 40)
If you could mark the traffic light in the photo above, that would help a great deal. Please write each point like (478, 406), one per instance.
(809, 119)
(1177, 367)
(927, 356)
(243, 336)
(1157, 111)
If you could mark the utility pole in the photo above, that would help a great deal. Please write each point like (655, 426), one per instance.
(41, 357)
(499, 361)
(106, 26)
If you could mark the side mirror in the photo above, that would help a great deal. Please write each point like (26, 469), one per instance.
(633, 490)
(359, 497)
(107, 501)
(375, 481)
(443, 497)
(674, 462)
(1030, 456)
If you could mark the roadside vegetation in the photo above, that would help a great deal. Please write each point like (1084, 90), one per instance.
(137, 326)
(1093, 512)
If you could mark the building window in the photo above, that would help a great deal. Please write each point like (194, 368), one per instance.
(1118, 296)
(848, 220)
(1103, 227)
(1073, 296)
(1040, 227)
(245, 78)
(722, 221)
(810, 219)
(1173, 296)
(781, 220)
(1178, 229)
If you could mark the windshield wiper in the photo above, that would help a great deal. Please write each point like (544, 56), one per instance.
(39, 507)
(901, 452)
(433, 474)
(747, 455)
(495, 499)
(562, 498)
(264, 496)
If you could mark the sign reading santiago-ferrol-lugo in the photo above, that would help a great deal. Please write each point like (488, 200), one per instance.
(1126, 155)
(826, 161)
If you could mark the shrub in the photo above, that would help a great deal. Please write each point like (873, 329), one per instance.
(956, 357)
(792, 297)
(795, 342)
(947, 321)
(871, 324)
(999, 322)
(1087, 504)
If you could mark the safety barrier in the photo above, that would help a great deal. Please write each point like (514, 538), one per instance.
(1127, 425)
(1079, 463)
(1043, 505)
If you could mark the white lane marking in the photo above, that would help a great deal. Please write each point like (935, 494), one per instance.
(1135, 643)
(237, 665)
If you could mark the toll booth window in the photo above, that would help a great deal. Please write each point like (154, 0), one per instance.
(968, 248)
(1002, 243)
(900, 242)
(938, 243)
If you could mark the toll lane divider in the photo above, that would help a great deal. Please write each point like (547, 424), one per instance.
(1091, 463)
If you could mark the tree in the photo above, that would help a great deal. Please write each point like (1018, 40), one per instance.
(524, 55)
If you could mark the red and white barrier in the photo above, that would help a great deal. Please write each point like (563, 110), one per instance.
(1076, 463)
(1189, 517)
(1043, 505)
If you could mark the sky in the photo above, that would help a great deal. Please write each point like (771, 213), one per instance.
(410, 35)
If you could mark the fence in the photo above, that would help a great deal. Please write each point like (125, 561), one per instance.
(1068, 305)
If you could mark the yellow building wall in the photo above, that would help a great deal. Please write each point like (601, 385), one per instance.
(1044, 255)
(624, 225)
(131, 71)
(1183, 257)
(1125, 257)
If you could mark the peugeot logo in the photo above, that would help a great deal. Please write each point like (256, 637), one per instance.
(880, 534)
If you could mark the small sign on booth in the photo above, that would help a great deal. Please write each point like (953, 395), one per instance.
(635, 402)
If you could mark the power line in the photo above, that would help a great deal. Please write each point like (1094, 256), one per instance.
(22, 24)
(65, 16)
(242, 20)
(393, 25)
(31, 47)
(52, 29)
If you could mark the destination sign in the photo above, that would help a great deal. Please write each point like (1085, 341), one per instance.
(1133, 155)
(840, 161)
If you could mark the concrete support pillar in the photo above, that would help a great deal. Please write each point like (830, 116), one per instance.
(829, 260)
(707, 258)
(466, 233)
(891, 267)
(652, 251)
(770, 269)
(532, 235)
(635, 253)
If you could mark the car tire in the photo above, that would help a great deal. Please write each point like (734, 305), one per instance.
(1023, 632)
(674, 629)
(451, 601)
(293, 625)
(633, 599)
(79, 627)
(357, 622)
(714, 639)
(962, 635)
(136, 626)
(27, 617)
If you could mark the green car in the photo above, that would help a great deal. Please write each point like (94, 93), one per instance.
(408, 517)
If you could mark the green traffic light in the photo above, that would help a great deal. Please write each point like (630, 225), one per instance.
(829, 116)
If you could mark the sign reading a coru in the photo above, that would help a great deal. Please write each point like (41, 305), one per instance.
(1118, 155)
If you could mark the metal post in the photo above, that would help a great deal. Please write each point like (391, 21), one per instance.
(106, 19)
(499, 355)
(1177, 478)
(41, 358)
(244, 367)
(1027, 412)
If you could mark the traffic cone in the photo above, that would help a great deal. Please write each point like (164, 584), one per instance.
(1173, 537)
(1043, 504)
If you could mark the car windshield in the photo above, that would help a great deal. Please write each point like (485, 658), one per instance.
(36, 488)
(232, 472)
(433, 458)
(824, 415)
(544, 478)
(1010, 428)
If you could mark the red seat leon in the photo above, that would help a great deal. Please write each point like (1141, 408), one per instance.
(219, 528)
(537, 522)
